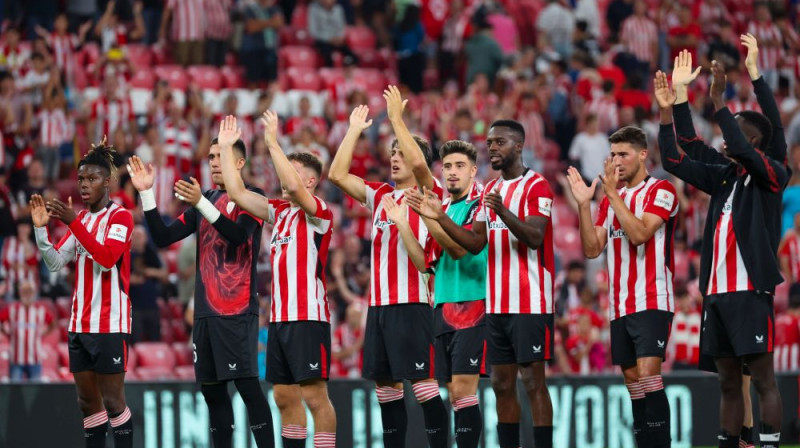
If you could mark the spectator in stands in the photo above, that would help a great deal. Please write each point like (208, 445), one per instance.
(64, 43)
(789, 252)
(639, 35)
(114, 33)
(605, 109)
(586, 352)
(770, 43)
(787, 334)
(111, 110)
(304, 118)
(723, 47)
(571, 287)
(151, 14)
(455, 31)
(346, 344)
(218, 30)
(686, 35)
(483, 53)
(16, 112)
(259, 51)
(305, 142)
(408, 38)
(81, 11)
(146, 274)
(18, 260)
(684, 342)
(617, 12)
(35, 182)
(188, 22)
(54, 130)
(35, 79)
(557, 22)
(150, 145)
(12, 56)
(326, 25)
(590, 148)
(26, 322)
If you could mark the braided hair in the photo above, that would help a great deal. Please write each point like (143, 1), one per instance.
(102, 155)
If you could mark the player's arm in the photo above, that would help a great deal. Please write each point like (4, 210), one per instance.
(536, 214)
(55, 257)
(429, 205)
(443, 239)
(426, 206)
(248, 200)
(593, 237)
(412, 154)
(399, 215)
(339, 172)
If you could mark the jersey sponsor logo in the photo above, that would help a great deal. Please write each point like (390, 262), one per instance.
(497, 225)
(545, 205)
(118, 232)
(664, 199)
(314, 366)
(232, 366)
(660, 343)
(117, 361)
(276, 241)
(80, 250)
(537, 349)
(727, 207)
(383, 224)
(420, 366)
(473, 362)
(617, 233)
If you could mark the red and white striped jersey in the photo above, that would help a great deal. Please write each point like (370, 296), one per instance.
(27, 324)
(640, 34)
(607, 113)
(99, 243)
(684, 337)
(787, 342)
(640, 277)
(736, 105)
(179, 142)
(63, 46)
(768, 55)
(20, 261)
(520, 279)
(188, 19)
(218, 20)
(533, 124)
(110, 116)
(299, 251)
(54, 129)
(394, 278)
(790, 249)
(728, 272)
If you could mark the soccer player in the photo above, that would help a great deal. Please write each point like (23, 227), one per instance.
(98, 241)
(459, 289)
(225, 335)
(738, 280)
(515, 208)
(299, 343)
(398, 338)
(636, 225)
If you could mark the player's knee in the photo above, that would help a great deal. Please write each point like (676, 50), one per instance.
(114, 404)
(87, 406)
(730, 384)
(764, 383)
(504, 387)
(284, 399)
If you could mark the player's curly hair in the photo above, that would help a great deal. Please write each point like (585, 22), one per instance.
(102, 155)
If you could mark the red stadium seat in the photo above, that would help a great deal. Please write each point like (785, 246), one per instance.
(567, 242)
(49, 357)
(296, 56)
(163, 308)
(331, 76)
(373, 80)
(183, 354)
(184, 373)
(300, 17)
(205, 76)
(50, 375)
(171, 260)
(91, 53)
(161, 54)
(144, 78)
(303, 79)
(179, 333)
(155, 373)
(370, 59)
(166, 331)
(140, 55)
(359, 38)
(296, 36)
(155, 354)
(173, 74)
(563, 214)
(233, 77)
(175, 308)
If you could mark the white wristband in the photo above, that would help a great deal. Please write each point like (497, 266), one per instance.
(148, 199)
(207, 209)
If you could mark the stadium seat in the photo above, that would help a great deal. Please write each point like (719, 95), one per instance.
(370, 59)
(175, 75)
(140, 55)
(331, 76)
(50, 375)
(303, 79)
(205, 76)
(91, 53)
(144, 78)
(563, 214)
(155, 354)
(163, 308)
(297, 56)
(233, 77)
(300, 17)
(359, 38)
(179, 333)
(567, 242)
(296, 36)
(166, 331)
(372, 79)
(184, 373)
(155, 373)
(175, 308)
(183, 354)
(161, 54)
(50, 357)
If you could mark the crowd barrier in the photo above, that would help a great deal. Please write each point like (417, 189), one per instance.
(589, 412)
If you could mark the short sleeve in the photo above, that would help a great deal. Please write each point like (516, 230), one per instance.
(273, 207)
(661, 200)
(375, 191)
(322, 219)
(539, 200)
(602, 214)
(120, 227)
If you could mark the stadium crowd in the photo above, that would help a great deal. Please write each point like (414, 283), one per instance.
(154, 77)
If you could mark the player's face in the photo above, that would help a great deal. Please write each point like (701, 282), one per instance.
(92, 183)
(307, 177)
(459, 173)
(400, 170)
(215, 164)
(504, 149)
(628, 159)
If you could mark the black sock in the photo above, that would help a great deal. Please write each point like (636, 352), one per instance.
(293, 443)
(656, 412)
(508, 435)
(220, 413)
(436, 425)
(122, 427)
(768, 436)
(543, 436)
(747, 435)
(395, 422)
(469, 425)
(726, 440)
(639, 423)
(95, 436)
(258, 411)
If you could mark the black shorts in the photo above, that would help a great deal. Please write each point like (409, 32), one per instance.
(225, 347)
(736, 324)
(105, 353)
(640, 335)
(519, 338)
(398, 343)
(298, 351)
(460, 352)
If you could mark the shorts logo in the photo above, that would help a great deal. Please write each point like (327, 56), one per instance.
(760, 339)
(117, 361)
(473, 362)
(420, 366)
(232, 366)
(537, 349)
(194, 353)
(660, 343)
(314, 366)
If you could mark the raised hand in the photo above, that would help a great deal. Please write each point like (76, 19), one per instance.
(39, 213)
(228, 131)
(751, 61)
(425, 204)
(188, 192)
(397, 213)
(358, 118)
(682, 74)
(610, 178)
(142, 177)
(582, 194)
(665, 96)
(395, 104)
(718, 83)
(270, 120)
(494, 201)
(61, 211)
